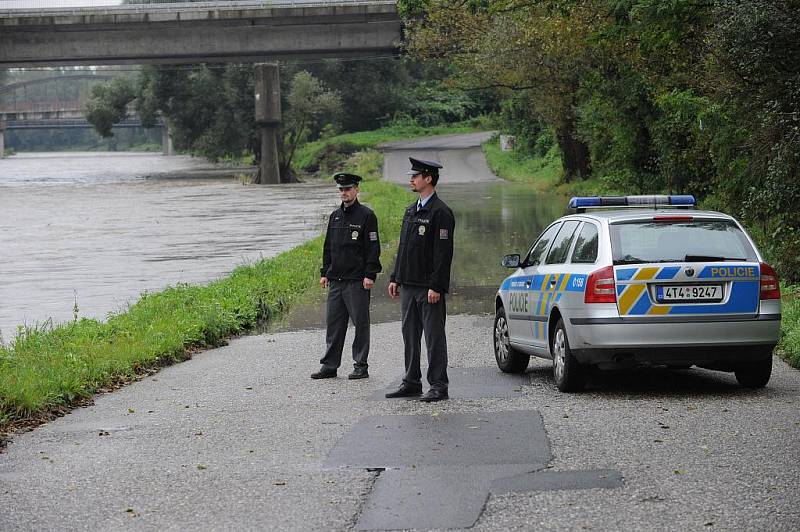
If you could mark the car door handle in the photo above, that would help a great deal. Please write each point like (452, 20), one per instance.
(528, 283)
(553, 281)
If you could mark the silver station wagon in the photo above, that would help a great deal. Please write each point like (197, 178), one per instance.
(639, 280)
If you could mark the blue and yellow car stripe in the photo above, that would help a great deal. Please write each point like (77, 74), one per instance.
(633, 298)
(546, 294)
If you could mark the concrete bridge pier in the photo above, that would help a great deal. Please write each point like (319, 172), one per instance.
(268, 118)
(166, 140)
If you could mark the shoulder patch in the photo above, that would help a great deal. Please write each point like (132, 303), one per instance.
(444, 234)
(373, 236)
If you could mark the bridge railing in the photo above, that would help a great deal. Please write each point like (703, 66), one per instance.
(21, 6)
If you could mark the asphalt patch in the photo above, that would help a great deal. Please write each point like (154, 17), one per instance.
(438, 470)
(472, 383)
(515, 437)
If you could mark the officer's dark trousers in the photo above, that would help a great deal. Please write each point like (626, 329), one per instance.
(420, 316)
(347, 300)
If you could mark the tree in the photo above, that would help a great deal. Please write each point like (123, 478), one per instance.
(310, 105)
(541, 48)
(108, 104)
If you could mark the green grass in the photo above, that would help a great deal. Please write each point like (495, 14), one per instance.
(316, 155)
(543, 173)
(47, 370)
(789, 345)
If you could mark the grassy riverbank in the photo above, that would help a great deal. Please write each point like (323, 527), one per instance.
(545, 174)
(326, 155)
(47, 371)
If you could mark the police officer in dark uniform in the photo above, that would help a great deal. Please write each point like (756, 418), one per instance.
(350, 264)
(421, 277)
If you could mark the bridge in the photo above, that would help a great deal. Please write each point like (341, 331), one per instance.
(248, 31)
(173, 33)
(59, 113)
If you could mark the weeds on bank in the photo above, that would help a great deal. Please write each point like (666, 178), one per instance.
(324, 155)
(44, 370)
(789, 345)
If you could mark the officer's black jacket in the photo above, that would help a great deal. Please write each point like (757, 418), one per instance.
(425, 252)
(352, 247)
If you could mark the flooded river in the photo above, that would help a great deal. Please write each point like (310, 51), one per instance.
(95, 230)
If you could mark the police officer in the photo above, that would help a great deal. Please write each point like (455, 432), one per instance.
(350, 264)
(421, 277)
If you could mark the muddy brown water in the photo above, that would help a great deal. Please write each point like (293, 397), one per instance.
(96, 230)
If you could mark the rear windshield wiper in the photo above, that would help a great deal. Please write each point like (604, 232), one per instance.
(710, 258)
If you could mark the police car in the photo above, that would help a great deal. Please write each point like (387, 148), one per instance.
(639, 280)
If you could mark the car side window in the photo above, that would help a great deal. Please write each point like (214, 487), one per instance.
(536, 254)
(586, 245)
(562, 242)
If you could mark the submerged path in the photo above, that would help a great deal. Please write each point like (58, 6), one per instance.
(240, 437)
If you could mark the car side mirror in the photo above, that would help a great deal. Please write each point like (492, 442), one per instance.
(510, 261)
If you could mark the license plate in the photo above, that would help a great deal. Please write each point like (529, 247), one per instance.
(688, 293)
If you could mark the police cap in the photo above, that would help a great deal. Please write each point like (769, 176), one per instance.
(344, 180)
(418, 166)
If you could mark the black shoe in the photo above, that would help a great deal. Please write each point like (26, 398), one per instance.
(405, 391)
(324, 373)
(433, 395)
(359, 373)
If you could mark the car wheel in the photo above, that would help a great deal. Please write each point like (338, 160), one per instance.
(756, 374)
(569, 375)
(509, 360)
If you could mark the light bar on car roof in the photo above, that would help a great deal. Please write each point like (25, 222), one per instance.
(653, 200)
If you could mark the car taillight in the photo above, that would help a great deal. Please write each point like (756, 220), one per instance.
(770, 288)
(600, 287)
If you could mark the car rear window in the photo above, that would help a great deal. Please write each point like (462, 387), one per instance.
(682, 241)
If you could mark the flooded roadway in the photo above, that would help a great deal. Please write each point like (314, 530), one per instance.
(98, 229)
(493, 218)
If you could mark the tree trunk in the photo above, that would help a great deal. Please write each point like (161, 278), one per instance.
(574, 153)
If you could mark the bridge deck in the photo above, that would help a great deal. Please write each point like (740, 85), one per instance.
(198, 32)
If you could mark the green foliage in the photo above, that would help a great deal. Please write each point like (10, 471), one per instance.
(327, 155)
(310, 106)
(516, 165)
(789, 345)
(108, 104)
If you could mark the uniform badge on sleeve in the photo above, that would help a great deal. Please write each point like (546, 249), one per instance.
(443, 234)
(354, 235)
(373, 236)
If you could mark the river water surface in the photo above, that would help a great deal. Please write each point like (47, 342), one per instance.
(95, 230)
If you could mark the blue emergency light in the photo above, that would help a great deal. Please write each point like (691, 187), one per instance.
(652, 200)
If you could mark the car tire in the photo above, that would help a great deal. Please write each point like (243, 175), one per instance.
(756, 374)
(509, 360)
(568, 373)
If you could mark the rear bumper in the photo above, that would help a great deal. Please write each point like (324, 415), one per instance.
(616, 342)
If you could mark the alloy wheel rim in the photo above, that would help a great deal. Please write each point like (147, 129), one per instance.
(501, 340)
(559, 352)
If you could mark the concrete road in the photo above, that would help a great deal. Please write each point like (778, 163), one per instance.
(240, 438)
